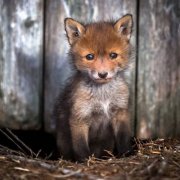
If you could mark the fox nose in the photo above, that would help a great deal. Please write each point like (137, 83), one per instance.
(103, 75)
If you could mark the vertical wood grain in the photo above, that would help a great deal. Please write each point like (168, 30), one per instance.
(159, 69)
(56, 61)
(21, 36)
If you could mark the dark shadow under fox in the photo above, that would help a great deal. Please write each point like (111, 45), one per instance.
(92, 112)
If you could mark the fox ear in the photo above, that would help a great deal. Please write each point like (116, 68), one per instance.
(123, 26)
(74, 30)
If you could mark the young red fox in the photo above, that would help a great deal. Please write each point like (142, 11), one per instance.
(92, 113)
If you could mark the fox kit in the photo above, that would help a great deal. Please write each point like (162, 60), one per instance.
(92, 112)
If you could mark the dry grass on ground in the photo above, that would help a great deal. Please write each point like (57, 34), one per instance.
(159, 159)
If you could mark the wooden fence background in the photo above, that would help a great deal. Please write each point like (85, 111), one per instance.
(33, 60)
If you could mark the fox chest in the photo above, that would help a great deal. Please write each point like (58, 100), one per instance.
(102, 101)
(104, 107)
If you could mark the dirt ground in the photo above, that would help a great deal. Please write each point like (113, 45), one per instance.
(158, 159)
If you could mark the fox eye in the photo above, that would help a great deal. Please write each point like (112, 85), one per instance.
(76, 34)
(90, 56)
(113, 55)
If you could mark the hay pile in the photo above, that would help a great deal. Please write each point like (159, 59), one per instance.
(159, 159)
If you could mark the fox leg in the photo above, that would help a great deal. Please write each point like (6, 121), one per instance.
(64, 144)
(121, 127)
(79, 132)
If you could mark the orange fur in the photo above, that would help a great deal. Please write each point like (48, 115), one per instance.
(101, 39)
(92, 113)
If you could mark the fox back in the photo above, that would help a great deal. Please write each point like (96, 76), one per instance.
(92, 112)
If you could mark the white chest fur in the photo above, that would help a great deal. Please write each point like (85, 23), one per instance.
(109, 96)
(105, 106)
(103, 98)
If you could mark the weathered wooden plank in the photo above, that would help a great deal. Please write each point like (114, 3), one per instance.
(21, 36)
(56, 66)
(159, 69)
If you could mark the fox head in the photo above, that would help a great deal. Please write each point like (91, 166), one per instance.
(100, 49)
